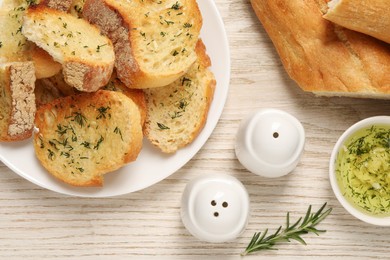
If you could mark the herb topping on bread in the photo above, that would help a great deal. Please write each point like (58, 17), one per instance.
(82, 137)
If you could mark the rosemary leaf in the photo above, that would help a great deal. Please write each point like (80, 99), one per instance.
(261, 242)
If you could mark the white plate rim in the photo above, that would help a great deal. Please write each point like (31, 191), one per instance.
(215, 38)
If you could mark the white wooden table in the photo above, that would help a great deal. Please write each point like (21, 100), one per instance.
(36, 223)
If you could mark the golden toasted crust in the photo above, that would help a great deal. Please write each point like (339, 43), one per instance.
(82, 137)
(366, 16)
(76, 8)
(178, 112)
(17, 100)
(321, 57)
(154, 41)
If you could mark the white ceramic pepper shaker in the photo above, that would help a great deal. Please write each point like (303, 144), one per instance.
(215, 207)
(270, 142)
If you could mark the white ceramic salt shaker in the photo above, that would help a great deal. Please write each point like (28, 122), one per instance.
(270, 142)
(215, 207)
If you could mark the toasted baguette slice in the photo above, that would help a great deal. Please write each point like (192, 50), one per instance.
(366, 16)
(87, 57)
(17, 101)
(177, 113)
(14, 45)
(154, 41)
(82, 137)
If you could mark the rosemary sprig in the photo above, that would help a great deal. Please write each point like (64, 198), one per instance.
(261, 242)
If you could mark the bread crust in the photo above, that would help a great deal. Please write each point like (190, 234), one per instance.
(17, 101)
(45, 92)
(321, 57)
(370, 17)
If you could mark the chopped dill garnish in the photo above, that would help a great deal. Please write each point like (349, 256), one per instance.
(118, 131)
(103, 112)
(79, 118)
(101, 139)
(162, 126)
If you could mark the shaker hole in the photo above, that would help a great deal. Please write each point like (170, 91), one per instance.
(275, 134)
(213, 203)
(216, 214)
(225, 204)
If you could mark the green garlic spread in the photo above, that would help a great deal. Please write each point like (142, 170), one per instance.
(363, 170)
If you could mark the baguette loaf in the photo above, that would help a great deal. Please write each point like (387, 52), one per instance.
(87, 57)
(154, 41)
(14, 46)
(17, 101)
(370, 17)
(177, 112)
(82, 137)
(321, 57)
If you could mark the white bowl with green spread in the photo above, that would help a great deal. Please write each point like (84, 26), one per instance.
(360, 170)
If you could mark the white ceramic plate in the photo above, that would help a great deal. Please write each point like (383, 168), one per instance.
(151, 166)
